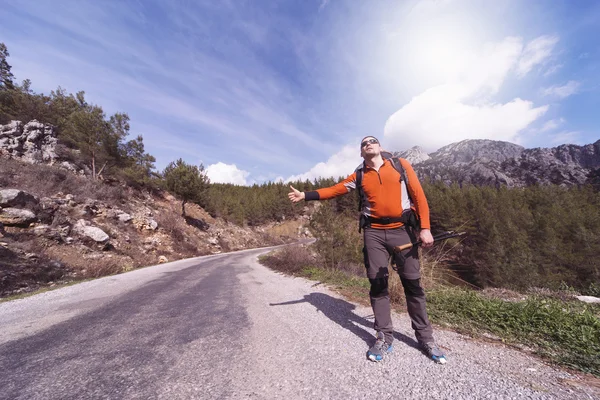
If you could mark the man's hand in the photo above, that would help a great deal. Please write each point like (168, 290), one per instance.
(426, 238)
(295, 196)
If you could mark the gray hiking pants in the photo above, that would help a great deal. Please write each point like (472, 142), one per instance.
(379, 244)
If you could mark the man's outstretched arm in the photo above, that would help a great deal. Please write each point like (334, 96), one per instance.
(339, 189)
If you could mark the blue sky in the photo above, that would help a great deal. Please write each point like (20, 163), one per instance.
(261, 90)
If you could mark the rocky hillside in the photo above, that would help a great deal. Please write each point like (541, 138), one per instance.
(58, 225)
(490, 162)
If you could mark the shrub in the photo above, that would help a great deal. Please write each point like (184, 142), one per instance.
(290, 259)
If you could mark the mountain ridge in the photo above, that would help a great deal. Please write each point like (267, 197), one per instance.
(493, 162)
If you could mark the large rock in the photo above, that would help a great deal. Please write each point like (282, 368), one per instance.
(33, 142)
(16, 217)
(83, 228)
(15, 198)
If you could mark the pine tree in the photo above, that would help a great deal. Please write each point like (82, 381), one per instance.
(6, 76)
(186, 181)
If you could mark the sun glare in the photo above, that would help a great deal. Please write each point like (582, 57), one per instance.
(439, 55)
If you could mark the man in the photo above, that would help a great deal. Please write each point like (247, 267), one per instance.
(386, 208)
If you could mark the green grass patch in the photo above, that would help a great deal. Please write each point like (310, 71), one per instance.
(567, 333)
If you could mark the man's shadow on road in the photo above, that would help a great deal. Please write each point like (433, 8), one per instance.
(341, 312)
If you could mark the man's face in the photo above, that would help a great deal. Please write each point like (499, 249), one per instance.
(369, 147)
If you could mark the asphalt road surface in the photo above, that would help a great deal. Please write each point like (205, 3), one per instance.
(222, 327)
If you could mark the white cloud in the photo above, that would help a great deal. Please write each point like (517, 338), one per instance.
(226, 173)
(464, 109)
(565, 137)
(342, 163)
(563, 91)
(536, 52)
(552, 124)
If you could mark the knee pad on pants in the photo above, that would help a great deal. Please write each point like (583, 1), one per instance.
(412, 287)
(379, 287)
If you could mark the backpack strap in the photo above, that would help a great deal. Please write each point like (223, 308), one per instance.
(362, 222)
(398, 167)
(397, 164)
(359, 175)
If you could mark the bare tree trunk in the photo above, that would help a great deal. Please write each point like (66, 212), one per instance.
(93, 166)
(102, 169)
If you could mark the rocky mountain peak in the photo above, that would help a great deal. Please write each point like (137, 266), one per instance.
(414, 155)
(492, 162)
(481, 150)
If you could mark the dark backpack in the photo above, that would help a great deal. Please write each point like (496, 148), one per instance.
(409, 217)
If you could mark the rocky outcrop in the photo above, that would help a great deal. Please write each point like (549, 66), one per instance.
(33, 142)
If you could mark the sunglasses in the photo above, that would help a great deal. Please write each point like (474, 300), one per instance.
(369, 141)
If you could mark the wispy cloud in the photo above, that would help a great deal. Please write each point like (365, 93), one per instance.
(552, 124)
(552, 69)
(562, 91)
(565, 137)
(538, 51)
(323, 5)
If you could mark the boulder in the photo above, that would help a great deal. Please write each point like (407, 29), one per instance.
(83, 228)
(124, 217)
(16, 216)
(16, 198)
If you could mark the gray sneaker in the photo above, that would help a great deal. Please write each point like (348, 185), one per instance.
(433, 351)
(379, 349)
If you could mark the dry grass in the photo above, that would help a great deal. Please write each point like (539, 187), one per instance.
(90, 264)
(44, 181)
(290, 259)
(286, 229)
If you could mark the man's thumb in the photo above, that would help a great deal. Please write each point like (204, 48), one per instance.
(293, 188)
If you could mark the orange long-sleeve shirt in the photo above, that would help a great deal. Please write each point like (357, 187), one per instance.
(383, 193)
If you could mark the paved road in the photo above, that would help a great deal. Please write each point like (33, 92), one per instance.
(223, 327)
